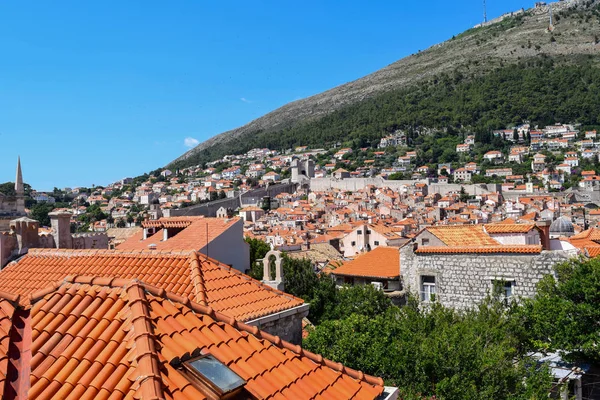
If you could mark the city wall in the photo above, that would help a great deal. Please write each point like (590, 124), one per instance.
(251, 197)
(354, 184)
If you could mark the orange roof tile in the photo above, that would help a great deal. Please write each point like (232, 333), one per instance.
(509, 228)
(382, 262)
(462, 235)
(518, 249)
(186, 274)
(197, 231)
(593, 251)
(103, 337)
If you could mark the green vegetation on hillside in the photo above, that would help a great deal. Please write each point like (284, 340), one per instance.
(541, 91)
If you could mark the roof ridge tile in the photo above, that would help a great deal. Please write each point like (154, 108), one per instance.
(197, 277)
(147, 358)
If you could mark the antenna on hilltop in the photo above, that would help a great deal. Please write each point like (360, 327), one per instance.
(484, 12)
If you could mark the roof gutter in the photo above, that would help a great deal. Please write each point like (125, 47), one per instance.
(391, 278)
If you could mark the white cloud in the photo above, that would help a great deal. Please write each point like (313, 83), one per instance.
(245, 100)
(191, 142)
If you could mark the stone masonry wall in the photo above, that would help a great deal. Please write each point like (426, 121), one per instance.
(286, 324)
(464, 280)
(354, 184)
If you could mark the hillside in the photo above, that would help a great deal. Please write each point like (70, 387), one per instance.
(527, 72)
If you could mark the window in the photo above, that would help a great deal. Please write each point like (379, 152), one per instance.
(359, 231)
(368, 232)
(376, 243)
(427, 288)
(504, 288)
(424, 242)
(353, 243)
(207, 371)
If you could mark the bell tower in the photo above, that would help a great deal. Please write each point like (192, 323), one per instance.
(19, 190)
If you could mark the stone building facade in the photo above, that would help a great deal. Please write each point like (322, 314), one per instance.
(462, 280)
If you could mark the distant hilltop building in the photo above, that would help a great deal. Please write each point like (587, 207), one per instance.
(12, 207)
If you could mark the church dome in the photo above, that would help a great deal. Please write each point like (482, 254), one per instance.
(562, 226)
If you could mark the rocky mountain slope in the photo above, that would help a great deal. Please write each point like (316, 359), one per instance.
(514, 38)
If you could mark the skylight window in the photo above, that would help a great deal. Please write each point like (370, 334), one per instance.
(213, 372)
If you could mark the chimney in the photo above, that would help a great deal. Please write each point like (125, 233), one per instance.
(61, 229)
(544, 234)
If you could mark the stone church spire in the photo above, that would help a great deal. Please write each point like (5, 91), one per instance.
(20, 190)
(19, 180)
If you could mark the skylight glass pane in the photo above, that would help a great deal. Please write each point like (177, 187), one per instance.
(218, 373)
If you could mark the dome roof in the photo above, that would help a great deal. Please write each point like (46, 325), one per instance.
(562, 225)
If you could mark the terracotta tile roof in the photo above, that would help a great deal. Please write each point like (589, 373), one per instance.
(500, 249)
(508, 221)
(588, 241)
(382, 262)
(100, 338)
(462, 235)
(192, 237)
(529, 217)
(9, 342)
(593, 251)
(590, 234)
(186, 274)
(509, 228)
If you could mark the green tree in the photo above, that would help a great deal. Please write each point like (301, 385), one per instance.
(437, 351)
(564, 313)
(258, 250)
(92, 214)
(40, 212)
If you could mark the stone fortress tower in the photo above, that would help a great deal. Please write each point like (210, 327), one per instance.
(302, 172)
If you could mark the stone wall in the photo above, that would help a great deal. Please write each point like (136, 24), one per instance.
(286, 324)
(464, 280)
(8, 243)
(354, 184)
(252, 197)
(90, 241)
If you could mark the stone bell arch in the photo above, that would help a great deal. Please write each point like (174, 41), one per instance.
(278, 282)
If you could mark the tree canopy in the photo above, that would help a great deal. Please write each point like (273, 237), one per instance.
(437, 352)
(565, 312)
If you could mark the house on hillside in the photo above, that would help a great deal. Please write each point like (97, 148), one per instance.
(367, 237)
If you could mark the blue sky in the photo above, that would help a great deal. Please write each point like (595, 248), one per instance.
(91, 92)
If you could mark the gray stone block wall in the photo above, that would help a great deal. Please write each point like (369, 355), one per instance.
(464, 280)
(286, 324)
